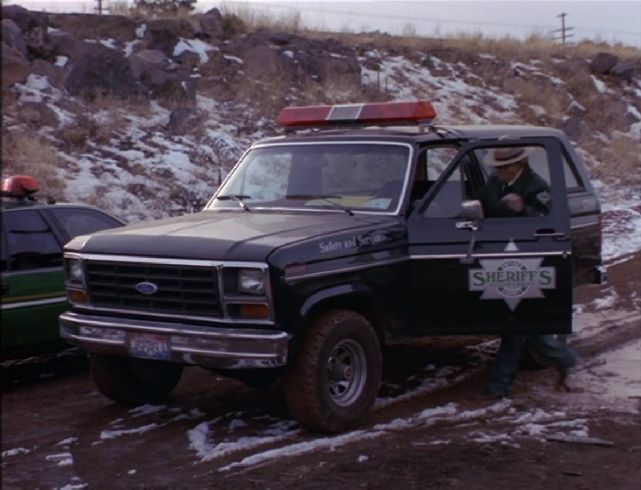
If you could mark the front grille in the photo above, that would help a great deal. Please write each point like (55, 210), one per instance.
(182, 290)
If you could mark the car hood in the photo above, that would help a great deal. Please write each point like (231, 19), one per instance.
(221, 235)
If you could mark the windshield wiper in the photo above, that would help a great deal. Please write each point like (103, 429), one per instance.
(236, 198)
(322, 197)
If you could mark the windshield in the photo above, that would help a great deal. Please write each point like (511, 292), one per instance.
(343, 177)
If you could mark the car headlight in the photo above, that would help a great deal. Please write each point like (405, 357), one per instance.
(251, 281)
(76, 271)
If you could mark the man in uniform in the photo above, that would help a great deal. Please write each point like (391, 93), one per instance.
(515, 190)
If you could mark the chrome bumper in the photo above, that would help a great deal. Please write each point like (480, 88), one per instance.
(214, 347)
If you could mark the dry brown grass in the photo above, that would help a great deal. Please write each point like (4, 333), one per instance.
(29, 154)
(534, 47)
(254, 18)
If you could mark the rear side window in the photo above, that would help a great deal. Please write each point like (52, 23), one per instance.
(30, 242)
(83, 221)
(571, 180)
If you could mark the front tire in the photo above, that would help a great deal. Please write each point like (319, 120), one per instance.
(133, 381)
(334, 378)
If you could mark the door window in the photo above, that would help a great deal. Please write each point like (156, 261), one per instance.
(79, 221)
(30, 241)
(509, 182)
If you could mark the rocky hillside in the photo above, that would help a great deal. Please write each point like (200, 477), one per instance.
(144, 117)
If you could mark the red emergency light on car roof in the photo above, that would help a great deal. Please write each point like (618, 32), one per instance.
(19, 186)
(378, 113)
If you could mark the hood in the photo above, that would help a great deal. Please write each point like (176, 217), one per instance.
(220, 235)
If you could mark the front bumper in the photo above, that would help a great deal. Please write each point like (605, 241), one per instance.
(213, 347)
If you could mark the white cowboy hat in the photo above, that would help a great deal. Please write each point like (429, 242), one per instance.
(499, 157)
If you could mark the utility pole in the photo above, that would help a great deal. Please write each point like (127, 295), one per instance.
(565, 34)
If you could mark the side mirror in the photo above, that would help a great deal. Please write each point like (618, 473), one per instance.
(473, 210)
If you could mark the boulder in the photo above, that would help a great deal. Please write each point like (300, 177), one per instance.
(569, 68)
(188, 60)
(281, 38)
(169, 85)
(55, 74)
(64, 44)
(163, 34)
(211, 23)
(184, 119)
(626, 71)
(575, 128)
(34, 29)
(38, 114)
(602, 63)
(24, 19)
(12, 36)
(264, 63)
(615, 115)
(92, 26)
(147, 59)
(15, 67)
(100, 69)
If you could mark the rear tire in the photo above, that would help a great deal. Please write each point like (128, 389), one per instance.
(133, 381)
(335, 376)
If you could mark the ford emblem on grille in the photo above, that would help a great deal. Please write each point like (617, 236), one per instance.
(146, 287)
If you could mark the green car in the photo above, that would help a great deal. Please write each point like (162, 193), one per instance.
(33, 235)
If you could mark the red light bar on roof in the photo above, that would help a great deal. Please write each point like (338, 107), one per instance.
(19, 186)
(379, 113)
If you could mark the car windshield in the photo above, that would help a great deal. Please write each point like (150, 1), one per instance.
(365, 177)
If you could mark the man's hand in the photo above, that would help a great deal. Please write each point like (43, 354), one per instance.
(514, 202)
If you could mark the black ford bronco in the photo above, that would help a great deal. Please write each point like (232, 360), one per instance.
(359, 227)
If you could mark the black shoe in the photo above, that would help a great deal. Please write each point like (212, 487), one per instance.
(561, 380)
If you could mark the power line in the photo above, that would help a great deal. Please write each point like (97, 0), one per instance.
(433, 20)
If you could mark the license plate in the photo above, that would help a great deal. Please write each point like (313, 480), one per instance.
(149, 346)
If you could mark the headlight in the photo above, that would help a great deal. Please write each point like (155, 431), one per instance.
(76, 270)
(251, 281)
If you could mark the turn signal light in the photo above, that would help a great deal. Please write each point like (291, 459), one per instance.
(253, 311)
(78, 297)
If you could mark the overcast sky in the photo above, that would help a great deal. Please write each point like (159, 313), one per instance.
(611, 21)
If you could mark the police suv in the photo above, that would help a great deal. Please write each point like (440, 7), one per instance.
(359, 227)
(33, 233)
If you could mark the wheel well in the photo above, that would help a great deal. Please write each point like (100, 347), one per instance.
(361, 304)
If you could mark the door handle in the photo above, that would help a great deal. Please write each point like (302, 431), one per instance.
(467, 225)
(546, 232)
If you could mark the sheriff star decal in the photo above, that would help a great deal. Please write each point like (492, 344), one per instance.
(512, 279)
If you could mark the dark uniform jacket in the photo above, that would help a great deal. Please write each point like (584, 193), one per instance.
(534, 191)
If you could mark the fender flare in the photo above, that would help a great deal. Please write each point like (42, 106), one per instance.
(332, 292)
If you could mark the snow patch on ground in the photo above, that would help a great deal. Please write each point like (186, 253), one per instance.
(14, 452)
(112, 434)
(147, 409)
(195, 46)
(68, 441)
(534, 424)
(61, 459)
(210, 442)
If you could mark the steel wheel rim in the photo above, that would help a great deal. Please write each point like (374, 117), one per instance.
(346, 372)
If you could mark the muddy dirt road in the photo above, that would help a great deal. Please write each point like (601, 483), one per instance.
(430, 429)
